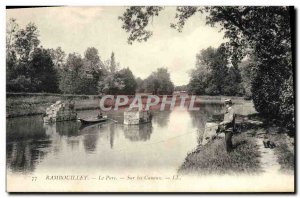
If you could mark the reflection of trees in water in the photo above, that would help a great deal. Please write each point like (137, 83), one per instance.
(58, 129)
(111, 135)
(141, 132)
(198, 119)
(24, 128)
(116, 115)
(207, 113)
(91, 136)
(211, 109)
(27, 143)
(161, 117)
(90, 142)
(24, 155)
(68, 129)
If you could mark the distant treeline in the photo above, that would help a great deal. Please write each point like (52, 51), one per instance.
(32, 68)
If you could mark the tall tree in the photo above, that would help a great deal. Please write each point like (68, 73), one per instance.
(214, 75)
(246, 67)
(140, 85)
(26, 40)
(70, 79)
(159, 82)
(113, 65)
(233, 82)
(40, 75)
(269, 40)
(58, 57)
(111, 83)
(92, 60)
(42, 72)
(93, 70)
(128, 79)
(11, 29)
(11, 57)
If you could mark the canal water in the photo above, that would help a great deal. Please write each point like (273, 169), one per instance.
(156, 148)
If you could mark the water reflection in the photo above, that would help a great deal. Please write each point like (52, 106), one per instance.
(161, 118)
(33, 146)
(23, 156)
(207, 113)
(111, 135)
(27, 143)
(68, 129)
(25, 128)
(90, 141)
(138, 132)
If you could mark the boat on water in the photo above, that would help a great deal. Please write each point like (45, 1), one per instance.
(88, 121)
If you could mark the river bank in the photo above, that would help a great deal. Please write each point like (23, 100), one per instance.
(27, 104)
(248, 155)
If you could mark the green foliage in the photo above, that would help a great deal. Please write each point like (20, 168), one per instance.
(287, 101)
(58, 57)
(33, 69)
(214, 76)
(70, 77)
(29, 68)
(128, 80)
(113, 65)
(136, 18)
(270, 42)
(159, 82)
(11, 65)
(111, 83)
(117, 81)
(26, 40)
(18, 84)
(38, 75)
(181, 88)
(81, 76)
(246, 68)
(140, 85)
(93, 71)
(11, 29)
(233, 85)
(42, 72)
(260, 31)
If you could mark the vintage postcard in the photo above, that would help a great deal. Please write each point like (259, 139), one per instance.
(150, 99)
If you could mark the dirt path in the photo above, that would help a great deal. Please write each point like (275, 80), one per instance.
(268, 159)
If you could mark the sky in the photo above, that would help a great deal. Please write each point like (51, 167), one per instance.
(75, 29)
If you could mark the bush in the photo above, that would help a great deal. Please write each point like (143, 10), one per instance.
(21, 83)
(287, 104)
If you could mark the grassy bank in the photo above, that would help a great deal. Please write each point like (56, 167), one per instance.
(24, 104)
(213, 158)
(245, 157)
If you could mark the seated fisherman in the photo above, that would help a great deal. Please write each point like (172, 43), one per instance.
(228, 124)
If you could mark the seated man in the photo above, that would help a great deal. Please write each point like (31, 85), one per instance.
(228, 124)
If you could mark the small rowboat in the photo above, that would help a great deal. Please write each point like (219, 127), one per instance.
(93, 120)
